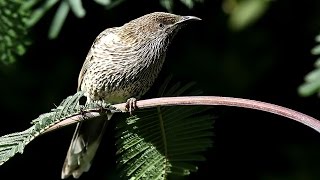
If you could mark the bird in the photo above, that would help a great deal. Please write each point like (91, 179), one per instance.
(121, 65)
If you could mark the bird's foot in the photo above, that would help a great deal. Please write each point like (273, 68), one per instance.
(100, 105)
(105, 108)
(131, 105)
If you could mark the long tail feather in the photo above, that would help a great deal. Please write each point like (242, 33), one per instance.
(83, 147)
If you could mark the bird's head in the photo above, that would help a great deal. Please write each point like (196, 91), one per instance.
(157, 25)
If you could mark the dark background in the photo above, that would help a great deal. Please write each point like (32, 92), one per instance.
(265, 61)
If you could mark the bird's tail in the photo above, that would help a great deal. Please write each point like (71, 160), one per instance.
(83, 147)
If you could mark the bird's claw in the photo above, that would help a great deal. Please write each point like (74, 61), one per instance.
(131, 105)
(100, 105)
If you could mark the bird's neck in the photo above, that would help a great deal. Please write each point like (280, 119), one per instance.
(153, 52)
(150, 58)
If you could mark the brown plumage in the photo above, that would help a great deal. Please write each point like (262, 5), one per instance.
(123, 62)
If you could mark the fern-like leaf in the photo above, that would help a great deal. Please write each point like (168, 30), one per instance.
(165, 140)
(14, 143)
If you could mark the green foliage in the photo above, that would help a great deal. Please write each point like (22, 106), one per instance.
(14, 143)
(312, 79)
(13, 30)
(165, 140)
(244, 12)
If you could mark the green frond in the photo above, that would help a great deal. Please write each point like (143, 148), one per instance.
(312, 79)
(13, 30)
(164, 141)
(14, 143)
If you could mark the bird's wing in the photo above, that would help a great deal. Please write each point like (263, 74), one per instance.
(88, 134)
(84, 68)
(92, 53)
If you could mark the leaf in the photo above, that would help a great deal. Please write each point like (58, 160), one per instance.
(188, 3)
(59, 19)
(168, 4)
(14, 143)
(113, 4)
(312, 79)
(165, 140)
(308, 89)
(39, 12)
(313, 76)
(77, 8)
(316, 50)
(103, 2)
(247, 12)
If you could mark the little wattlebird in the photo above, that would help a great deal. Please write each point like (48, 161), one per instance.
(122, 64)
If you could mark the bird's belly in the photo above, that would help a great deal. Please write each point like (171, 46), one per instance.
(120, 90)
(117, 96)
(131, 89)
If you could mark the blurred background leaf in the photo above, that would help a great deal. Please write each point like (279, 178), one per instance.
(77, 8)
(312, 79)
(13, 30)
(242, 13)
(59, 19)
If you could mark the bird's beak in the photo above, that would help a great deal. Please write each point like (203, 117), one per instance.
(188, 19)
(181, 23)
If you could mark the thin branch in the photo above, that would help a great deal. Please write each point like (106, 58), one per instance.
(207, 101)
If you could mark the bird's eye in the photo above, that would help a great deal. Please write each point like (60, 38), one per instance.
(161, 25)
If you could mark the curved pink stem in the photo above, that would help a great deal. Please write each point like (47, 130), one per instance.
(229, 101)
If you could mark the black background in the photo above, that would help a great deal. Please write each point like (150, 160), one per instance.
(266, 61)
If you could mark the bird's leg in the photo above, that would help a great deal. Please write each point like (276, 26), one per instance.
(82, 104)
(131, 105)
(83, 114)
(106, 111)
(100, 103)
(96, 104)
